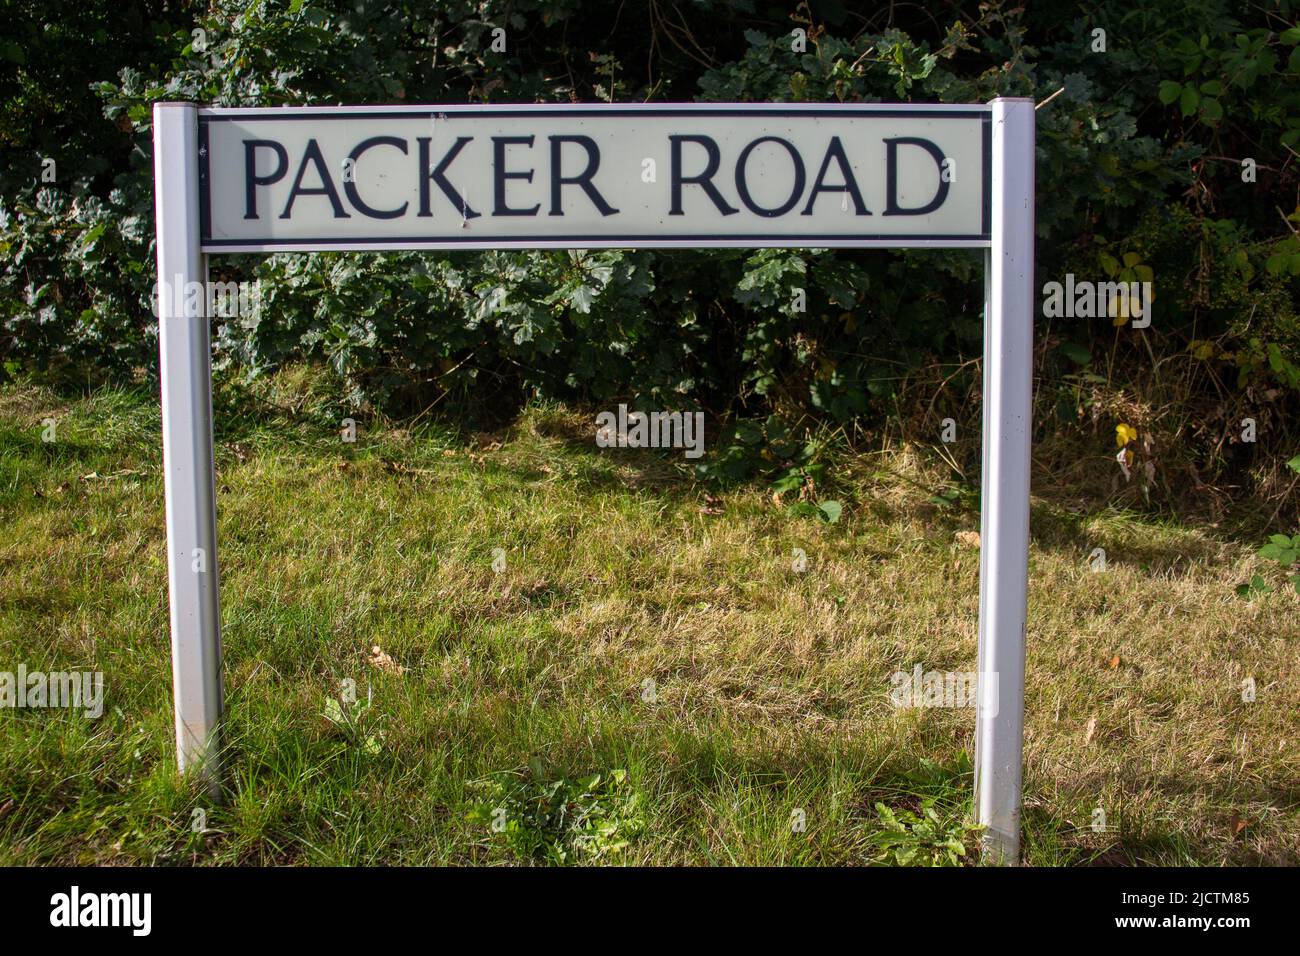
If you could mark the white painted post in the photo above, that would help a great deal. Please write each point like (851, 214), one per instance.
(1004, 517)
(188, 471)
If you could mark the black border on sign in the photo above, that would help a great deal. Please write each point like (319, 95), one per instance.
(205, 198)
(742, 241)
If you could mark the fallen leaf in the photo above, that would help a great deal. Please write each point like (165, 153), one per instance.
(385, 663)
(1114, 662)
(1238, 824)
(1124, 457)
(1092, 729)
(969, 538)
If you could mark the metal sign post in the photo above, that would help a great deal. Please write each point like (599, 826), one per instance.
(188, 470)
(1004, 483)
(685, 175)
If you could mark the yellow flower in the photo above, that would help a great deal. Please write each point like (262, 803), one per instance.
(1124, 434)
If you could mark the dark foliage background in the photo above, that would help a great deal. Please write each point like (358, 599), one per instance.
(1139, 174)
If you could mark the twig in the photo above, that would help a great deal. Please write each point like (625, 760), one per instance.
(1287, 221)
(1237, 162)
(1050, 98)
(1286, 494)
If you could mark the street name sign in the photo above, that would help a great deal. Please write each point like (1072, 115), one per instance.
(542, 177)
(683, 176)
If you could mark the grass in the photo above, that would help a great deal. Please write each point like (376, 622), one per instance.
(644, 682)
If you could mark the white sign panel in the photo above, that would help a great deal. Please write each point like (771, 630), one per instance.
(686, 175)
